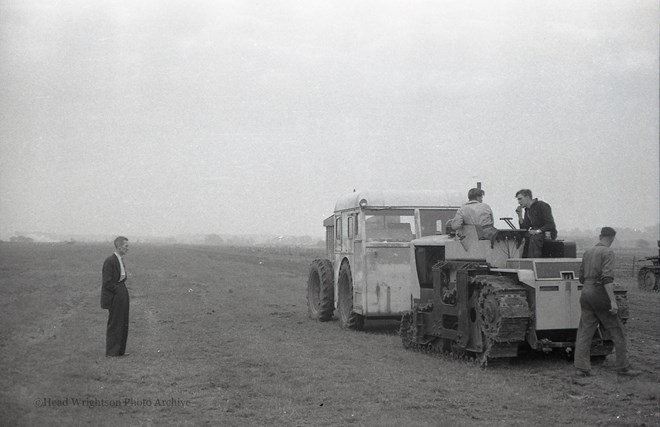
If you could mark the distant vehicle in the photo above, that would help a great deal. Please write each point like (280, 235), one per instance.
(648, 277)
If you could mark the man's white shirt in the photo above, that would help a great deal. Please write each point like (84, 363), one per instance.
(122, 275)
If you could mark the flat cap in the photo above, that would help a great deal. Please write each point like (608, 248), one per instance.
(607, 231)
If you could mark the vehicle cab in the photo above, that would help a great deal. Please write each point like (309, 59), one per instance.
(369, 236)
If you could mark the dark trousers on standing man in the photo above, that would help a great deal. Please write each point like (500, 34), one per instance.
(595, 305)
(117, 331)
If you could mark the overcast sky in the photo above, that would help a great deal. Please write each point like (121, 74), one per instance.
(168, 117)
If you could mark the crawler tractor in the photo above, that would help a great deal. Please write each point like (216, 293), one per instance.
(480, 299)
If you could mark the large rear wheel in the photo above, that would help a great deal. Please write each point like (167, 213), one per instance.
(347, 318)
(320, 290)
(647, 280)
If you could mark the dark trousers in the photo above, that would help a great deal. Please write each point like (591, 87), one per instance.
(595, 305)
(534, 246)
(117, 331)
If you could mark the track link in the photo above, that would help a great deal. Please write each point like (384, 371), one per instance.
(409, 332)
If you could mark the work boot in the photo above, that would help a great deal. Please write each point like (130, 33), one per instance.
(581, 377)
(628, 372)
(581, 373)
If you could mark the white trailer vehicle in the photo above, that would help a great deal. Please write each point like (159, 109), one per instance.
(367, 272)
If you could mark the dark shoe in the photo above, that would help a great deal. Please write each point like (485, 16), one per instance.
(581, 373)
(628, 372)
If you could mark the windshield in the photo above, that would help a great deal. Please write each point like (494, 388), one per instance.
(398, 225)
(390, 225)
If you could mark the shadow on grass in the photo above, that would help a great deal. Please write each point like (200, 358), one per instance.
(382, 327)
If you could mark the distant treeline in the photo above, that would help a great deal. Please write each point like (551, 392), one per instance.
(626, 238)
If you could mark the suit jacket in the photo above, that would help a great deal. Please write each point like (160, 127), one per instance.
(110, 280)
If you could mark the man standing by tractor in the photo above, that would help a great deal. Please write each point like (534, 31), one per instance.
(599, 306)
(537, 220)
(475, 212)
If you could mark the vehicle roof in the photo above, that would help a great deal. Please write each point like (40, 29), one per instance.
(400, 199)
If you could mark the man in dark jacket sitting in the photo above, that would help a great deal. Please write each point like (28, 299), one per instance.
(537, 220)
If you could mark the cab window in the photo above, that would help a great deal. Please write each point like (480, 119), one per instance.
(349, 224)
(389, 225)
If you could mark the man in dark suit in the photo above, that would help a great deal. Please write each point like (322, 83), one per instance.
(114, 298)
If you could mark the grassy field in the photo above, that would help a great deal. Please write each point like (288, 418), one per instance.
(220, 336)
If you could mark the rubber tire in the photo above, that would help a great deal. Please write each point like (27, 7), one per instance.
(320, 291)
(347, 318)
(647, 279)
(408, 330)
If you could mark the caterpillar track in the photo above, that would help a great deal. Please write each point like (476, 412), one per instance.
(502, 316)
(408, 332)
(503, 308)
